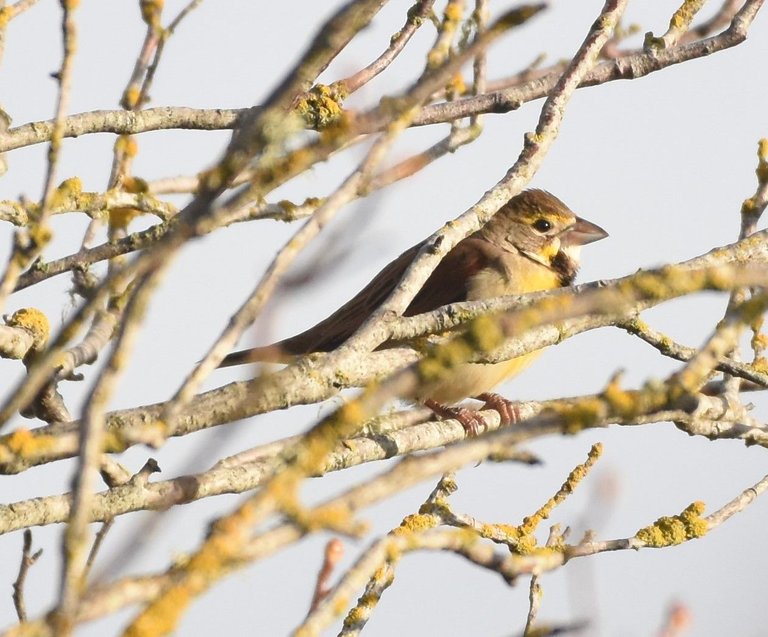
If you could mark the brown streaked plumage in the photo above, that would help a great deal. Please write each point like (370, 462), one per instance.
(531, 244)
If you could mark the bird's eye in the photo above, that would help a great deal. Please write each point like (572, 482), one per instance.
(542, 225)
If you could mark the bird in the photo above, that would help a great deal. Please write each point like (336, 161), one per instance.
(532, 243)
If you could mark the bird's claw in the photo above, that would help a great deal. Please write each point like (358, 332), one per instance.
(509, 413)
(472, 422)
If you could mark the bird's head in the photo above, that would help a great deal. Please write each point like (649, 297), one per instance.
(541, 227)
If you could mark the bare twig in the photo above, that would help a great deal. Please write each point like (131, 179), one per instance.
(629, 66)
(28, 560)
(678, 26)
(28, 245)
(407, 473)
(8, 13)
(416, 16)
(738, 504)
(670, 348)
(90, 451)
(334, 551)
(535, 592)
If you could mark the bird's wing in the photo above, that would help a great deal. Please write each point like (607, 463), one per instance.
(331, 332)
(447, 284)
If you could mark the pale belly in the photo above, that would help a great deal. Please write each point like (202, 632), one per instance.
(471, 379)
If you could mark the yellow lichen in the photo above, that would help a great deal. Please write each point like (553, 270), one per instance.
(115, 441)
(751, 310)
(508, 530)
(127, 145)
(580, 415)
(131, 96)
(571, 482)
(321, 106)
(457, 85)
(151, 10)
(122, 217)
(23, 443)
(415, 523)
(748, 206)
(762, 161)
(761, 365)
(162, 616)
(356, 616)
(33, 321)
(671, 530)
(526, 544)
(649, 285)
(67, 192)
(331, 517)
(443, 358)
(40, 235)
(453, 12)
(620, 401)
(340, 604)
(683, 16)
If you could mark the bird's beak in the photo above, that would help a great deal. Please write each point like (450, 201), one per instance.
(582, 232)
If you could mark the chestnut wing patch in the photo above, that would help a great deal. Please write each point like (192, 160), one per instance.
(328, 334)
(447, 284)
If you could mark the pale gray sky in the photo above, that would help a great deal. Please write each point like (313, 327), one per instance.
(662, 163)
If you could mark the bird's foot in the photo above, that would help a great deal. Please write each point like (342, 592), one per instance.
(508, 410)
(472, 422)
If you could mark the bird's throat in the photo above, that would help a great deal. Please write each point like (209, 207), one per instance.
(519, 275)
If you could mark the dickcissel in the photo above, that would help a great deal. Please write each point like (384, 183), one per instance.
(532, 243)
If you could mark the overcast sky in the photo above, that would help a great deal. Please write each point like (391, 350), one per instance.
(662, 163)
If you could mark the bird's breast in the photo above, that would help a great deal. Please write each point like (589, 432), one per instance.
(517, 274)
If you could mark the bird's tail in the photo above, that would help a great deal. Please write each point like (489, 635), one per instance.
(267, 354)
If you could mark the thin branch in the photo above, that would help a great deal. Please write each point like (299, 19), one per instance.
(28, 560)
(28, 245)
(241, 400)
(721, 19)
(402, 476)
(334, 550)
(90, 452)
(8, 13)
(253, 146)
(93, 204)
(669, 347)
(678, 26)
(624, 68)
(631, 66)
(124, 123)
(535, 592)
(416, 16)
(738, 504)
